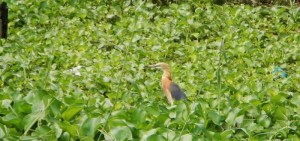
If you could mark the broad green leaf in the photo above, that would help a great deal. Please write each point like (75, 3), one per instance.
(139, 116)
(156, 137)
(71, 112)
(6, 103)
(30, 119)
(280, 114)
(168, 134)
(72, 129)
(54, 107)
(239, 119)
(232, 116)
(43, 131)
(90, 126)
(2, 133)
(186, 137)
(65, 136)
(295, 100)
(277, 99)
(28, 138)
(58, 131)
(227, 134)
(22, 107)
(147, 134)
(121, 133)
(215, 117)
(264, 120)
(181, 111)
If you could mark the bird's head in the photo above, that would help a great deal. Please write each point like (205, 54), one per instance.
(163, 66)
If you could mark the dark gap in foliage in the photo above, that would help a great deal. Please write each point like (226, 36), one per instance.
(3, 20)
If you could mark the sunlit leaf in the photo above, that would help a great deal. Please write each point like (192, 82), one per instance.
(215, 117)
(121, 133)
(186, 137)
(90, 126)
(71, 112)
(72, 129)
(232, 116)
(30, 119)
(57, 130)
(2, 133)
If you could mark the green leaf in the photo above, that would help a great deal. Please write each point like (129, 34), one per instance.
(65, 136)
(138, 116)
(215, 117)
(58, 131)
(121, 133)
(71, 112)
(181, 111)
(82, 13)
(31, 119)
(186, 137)
(280, 114)
(90, 126)
(147, 134)
(2, 133)
(136, 38)
(232, 115)
(43, 131)
(72, 129)
(265, 121)
(6, 103)
(295, 100)
(55, 107)
(22, 107)
(156, 138)
(278, 99)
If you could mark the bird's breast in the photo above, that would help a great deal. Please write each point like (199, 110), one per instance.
(165, 82)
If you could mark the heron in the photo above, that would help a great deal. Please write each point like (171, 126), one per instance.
(170, 89)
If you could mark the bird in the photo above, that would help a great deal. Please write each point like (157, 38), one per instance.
(170, 89)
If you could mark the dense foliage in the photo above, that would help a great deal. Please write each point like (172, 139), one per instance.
(77, 70)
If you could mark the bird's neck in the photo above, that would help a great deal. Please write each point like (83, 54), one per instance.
(167, 74)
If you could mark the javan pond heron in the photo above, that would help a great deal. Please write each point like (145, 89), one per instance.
(171, 90)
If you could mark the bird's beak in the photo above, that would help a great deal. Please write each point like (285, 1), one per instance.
(154, 66)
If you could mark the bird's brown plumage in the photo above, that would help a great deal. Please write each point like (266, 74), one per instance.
(170, 89)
